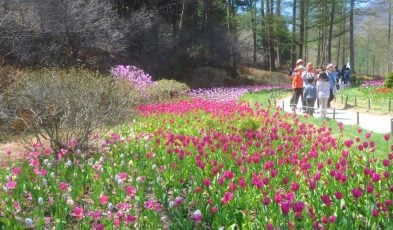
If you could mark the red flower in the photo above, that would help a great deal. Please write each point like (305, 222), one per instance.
(206, 182)
(338, 195)
(375, 212)
(326, 200)
(228, 196)
(356, 192)
(266, 200)
(63, 186)
(332, 218)
(295, 186)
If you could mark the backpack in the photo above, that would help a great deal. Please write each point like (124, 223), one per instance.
(347, 72)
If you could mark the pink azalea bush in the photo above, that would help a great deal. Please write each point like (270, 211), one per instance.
(195, 164)
(132, 74)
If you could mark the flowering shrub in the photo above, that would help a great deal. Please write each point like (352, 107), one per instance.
(376, 82)
(134, 75)
(383, 90)
(168, 170)
(230, 93)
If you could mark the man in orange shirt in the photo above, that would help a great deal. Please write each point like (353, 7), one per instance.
(297, 86)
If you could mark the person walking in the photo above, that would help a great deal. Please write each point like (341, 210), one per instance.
(309, 73)
(310, 95)
(332, 80)
(297, 86)
(346, 74)
(323, 92)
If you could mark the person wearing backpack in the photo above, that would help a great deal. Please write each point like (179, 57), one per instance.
(346, 74)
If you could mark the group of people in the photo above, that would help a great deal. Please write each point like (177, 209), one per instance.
(316, 85)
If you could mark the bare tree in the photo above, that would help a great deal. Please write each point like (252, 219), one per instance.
(46, 30)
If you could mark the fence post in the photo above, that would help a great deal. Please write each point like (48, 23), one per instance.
(283, 109)
(334, 113)
(369, 103)
(346, 103)
(390, 104)
(357, 118)
(355, 101)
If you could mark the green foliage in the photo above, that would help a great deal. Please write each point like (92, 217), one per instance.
(389, 80)
(249, 124)
(66, 107)
(166, 89)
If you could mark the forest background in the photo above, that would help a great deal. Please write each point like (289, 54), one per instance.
(176, 38)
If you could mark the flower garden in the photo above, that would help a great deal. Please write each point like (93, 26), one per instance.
(205, 163)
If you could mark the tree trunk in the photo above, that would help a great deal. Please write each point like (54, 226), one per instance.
(389, 37)
(183, 6)
(351, 38)
(330, 36)
(268, 25)
(278, 7)
(306, 53)
(264, 35)
(293, 47)
(254, 31)
(301, 28)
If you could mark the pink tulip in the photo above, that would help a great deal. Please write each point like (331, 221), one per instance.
(104, 199)
(228, 196)
(78, 213)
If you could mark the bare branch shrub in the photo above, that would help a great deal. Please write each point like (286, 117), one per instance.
(65, 107)
(166, 89)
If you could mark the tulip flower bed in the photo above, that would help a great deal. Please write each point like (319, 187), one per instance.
(205, 165)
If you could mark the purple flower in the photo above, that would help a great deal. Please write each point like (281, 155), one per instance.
(357, 192)
(285, 207)
(298, 206)
(326, 200)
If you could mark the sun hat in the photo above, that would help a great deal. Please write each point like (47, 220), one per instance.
(299, 61)
(329, 65)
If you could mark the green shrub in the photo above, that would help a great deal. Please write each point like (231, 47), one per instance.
(65, 107)
(166, 89)
(389, 80)
(249, 124)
